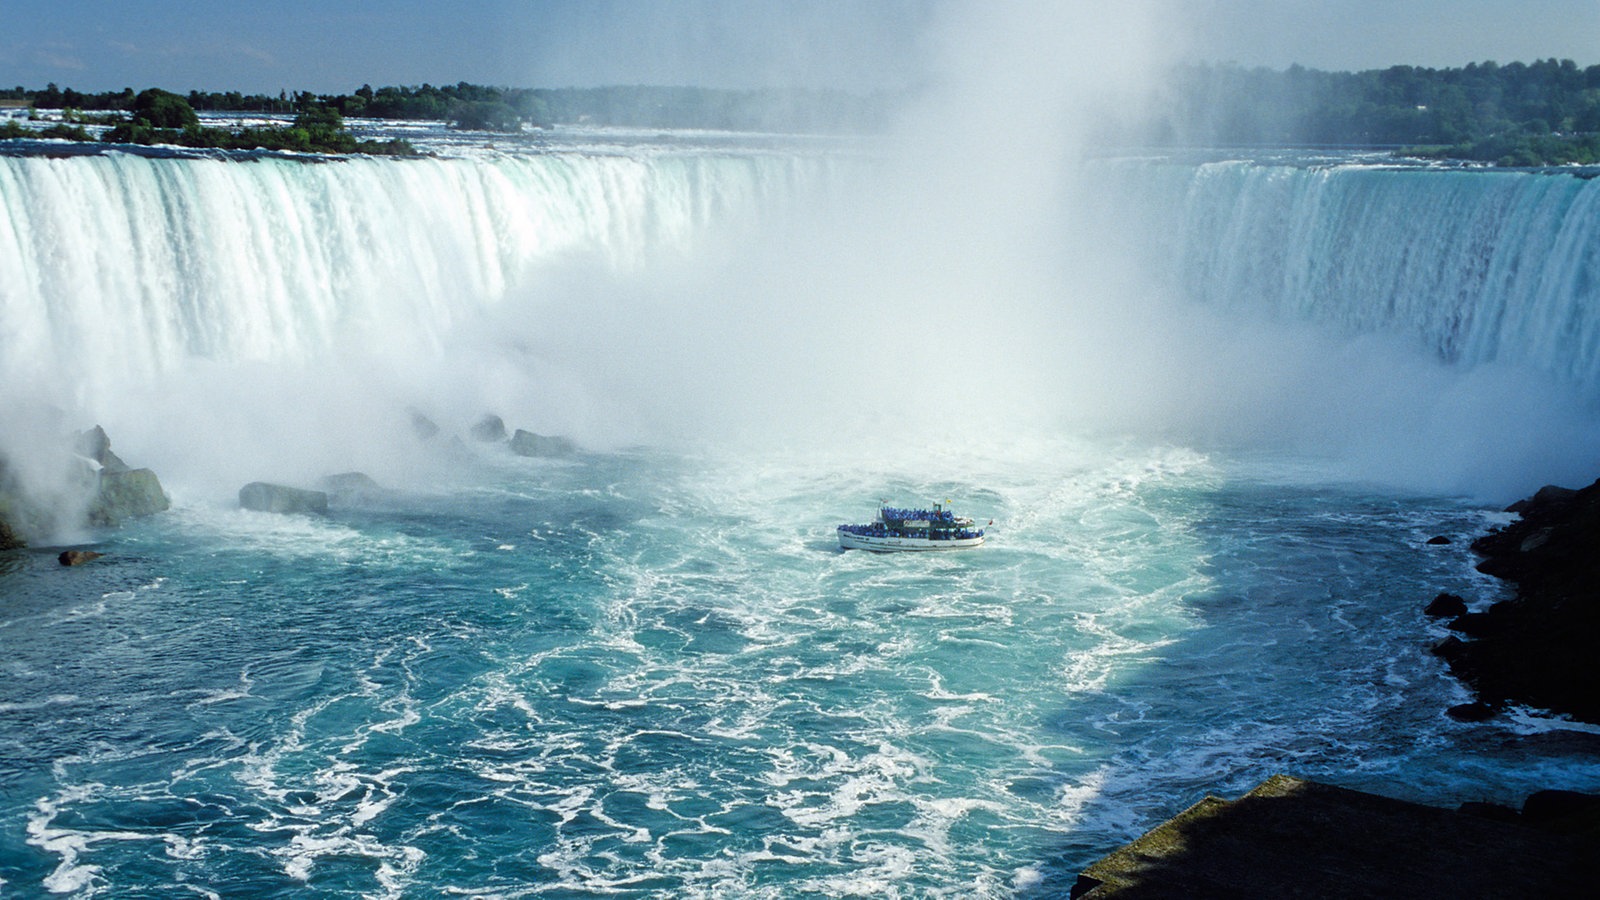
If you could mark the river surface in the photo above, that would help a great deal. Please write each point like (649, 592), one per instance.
(645, 674)
(645, 669)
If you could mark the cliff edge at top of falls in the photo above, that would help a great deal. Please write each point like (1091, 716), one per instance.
(1538, 648)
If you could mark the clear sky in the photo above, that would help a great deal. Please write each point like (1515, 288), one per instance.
(336, 45)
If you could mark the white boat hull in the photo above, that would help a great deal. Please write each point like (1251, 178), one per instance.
(850, 541)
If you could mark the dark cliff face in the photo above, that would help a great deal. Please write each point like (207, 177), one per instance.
(1540, 647)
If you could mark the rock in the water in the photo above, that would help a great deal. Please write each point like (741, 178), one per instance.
(526, 443)
(95, 445)
(1438, 539)
(8, 538)
(124, 493)
(1537, 649)
(490, 429)
(96, 483)
(349, 481)
(21, 519)
(424, 427)
(349, 487)
(77, 557)
(1475, 624)
(1450, 649)
(1471, 712)
(276, 498)
(1447, 606)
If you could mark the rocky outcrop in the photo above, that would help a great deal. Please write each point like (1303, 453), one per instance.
(97, 488)
(526, 443)
(423, 427)
(1538, 647)
(8, 538)
(1447, 606)
(490, 429)
(1295, 838)
(262, 496)
(120, 492)
(77, 557)
(127, 494)
(95, 445)
(350, 487)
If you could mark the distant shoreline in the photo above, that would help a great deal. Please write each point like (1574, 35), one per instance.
(1521, 115)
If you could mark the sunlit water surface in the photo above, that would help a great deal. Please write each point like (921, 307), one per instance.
(646, 674)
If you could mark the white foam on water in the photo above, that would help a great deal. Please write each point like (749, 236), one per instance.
(71, 876)
(52, 700)
(1536, 721)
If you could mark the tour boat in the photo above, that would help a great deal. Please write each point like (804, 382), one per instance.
(912, 529)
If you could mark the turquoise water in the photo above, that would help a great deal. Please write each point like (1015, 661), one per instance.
(652, 673)
(647, 674)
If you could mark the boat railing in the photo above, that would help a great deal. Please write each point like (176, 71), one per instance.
(932, 515)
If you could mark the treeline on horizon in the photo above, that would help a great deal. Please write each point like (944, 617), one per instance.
(1518, 114)
(484, 108)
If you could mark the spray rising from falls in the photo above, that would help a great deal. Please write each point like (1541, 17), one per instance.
(1419, 327)
(194, 305)
(120, 267)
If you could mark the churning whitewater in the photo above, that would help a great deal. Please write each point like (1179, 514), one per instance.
(646, 669)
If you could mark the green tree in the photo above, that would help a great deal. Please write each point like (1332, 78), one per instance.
(486, 115)
(164, 109)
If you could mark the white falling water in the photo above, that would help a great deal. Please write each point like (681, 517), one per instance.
(196, 305)
(116, 268)
(1478, 267)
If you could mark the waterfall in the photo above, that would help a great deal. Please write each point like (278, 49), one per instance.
(117, 267)
(1478, 266)
(192, 305)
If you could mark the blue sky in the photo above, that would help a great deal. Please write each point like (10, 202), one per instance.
(336, 45)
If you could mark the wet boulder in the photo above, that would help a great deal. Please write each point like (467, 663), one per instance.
(350, 487)
(8, 537)
(125, 493)
(526, 443)
(262, 496)
(491, 429)
(1476, 711)
(95, 445)
(423, 427)
(77, 557)
(1447, 606)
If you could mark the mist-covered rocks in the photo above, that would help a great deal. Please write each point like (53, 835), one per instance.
(423, 427)
(348, 488)
(8, 538)
(91, 485)
(127, 494)
(120, 491)
(489, 429)
(1537, 648)
(263, 496)
(526, 443)
(95, 445)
